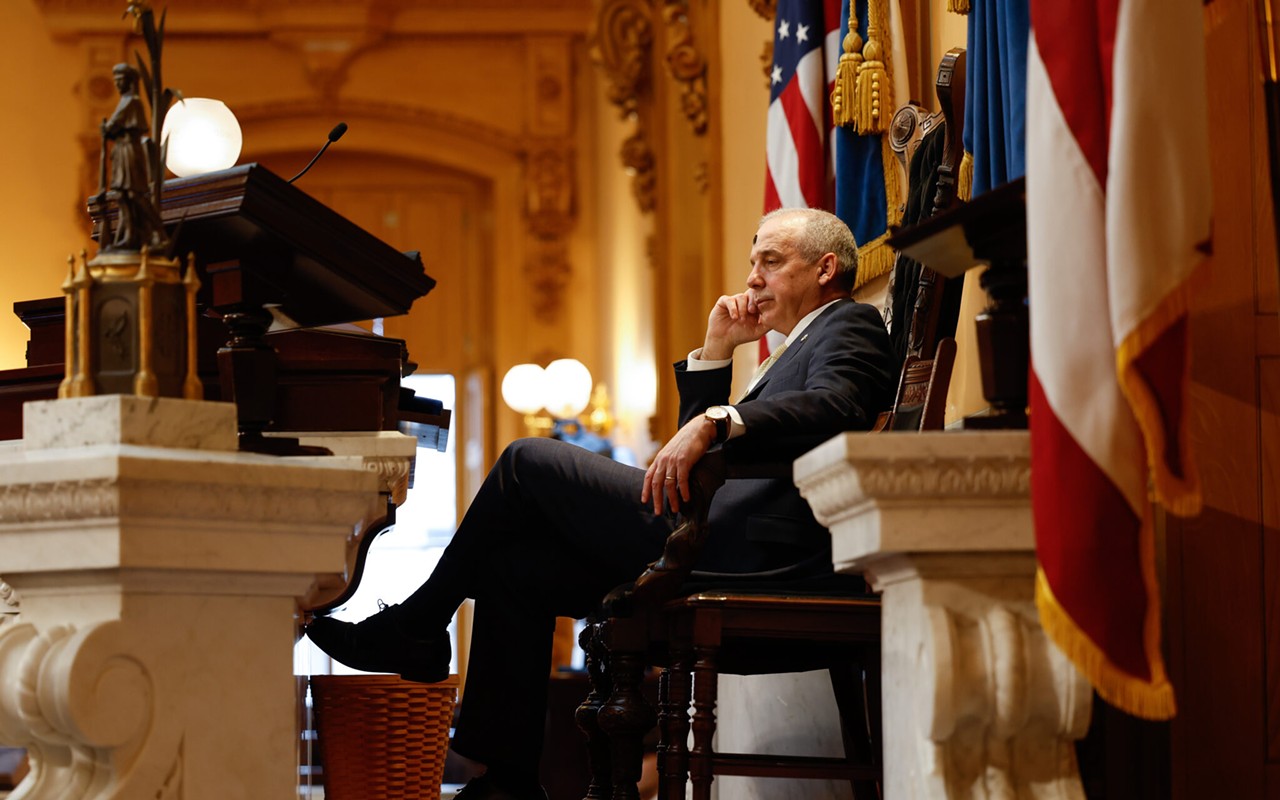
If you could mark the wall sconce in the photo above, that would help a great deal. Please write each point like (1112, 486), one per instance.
(553, 399)
(524, 391)
(204, 136)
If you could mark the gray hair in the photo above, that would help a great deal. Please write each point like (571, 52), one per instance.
(822, 233)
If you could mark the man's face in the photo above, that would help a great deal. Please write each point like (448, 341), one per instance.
(783, 286)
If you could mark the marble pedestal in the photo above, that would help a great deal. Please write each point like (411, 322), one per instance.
(158, 571)
(978, 703)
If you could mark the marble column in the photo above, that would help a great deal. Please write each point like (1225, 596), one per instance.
(978, 703)
(158, 571)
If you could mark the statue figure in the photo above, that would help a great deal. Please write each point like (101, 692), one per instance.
(130, 171)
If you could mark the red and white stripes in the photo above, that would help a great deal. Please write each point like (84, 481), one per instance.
(1117, 206)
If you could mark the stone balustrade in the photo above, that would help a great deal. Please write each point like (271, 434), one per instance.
(978, 703)
(157, 572)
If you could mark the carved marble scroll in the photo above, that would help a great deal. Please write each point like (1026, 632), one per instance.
(83, 704)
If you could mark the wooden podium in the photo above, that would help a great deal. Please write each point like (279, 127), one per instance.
(268, 253)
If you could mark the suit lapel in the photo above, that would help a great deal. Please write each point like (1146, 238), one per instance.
(785, 361)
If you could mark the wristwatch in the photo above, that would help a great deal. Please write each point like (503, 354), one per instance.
(719, 416)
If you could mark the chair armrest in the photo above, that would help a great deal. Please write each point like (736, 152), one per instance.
(740, 458)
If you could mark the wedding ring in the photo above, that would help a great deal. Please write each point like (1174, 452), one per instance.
(670, 479)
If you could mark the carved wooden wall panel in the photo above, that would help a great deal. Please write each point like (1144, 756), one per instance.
(1223, 566)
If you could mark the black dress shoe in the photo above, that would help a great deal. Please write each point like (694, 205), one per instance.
(384, 642)
(484, 789)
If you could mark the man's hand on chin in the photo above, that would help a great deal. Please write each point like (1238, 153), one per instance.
(667, 479)
(734, 320)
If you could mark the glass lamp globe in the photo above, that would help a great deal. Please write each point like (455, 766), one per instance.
(524, 388)
(204, 136)
(568, 388)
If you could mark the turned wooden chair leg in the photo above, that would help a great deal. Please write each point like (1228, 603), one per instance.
(704, 720)
(587, 715)
(664, 716)
(847, 683)
(626, 717)
(675, 730)
(871, 684)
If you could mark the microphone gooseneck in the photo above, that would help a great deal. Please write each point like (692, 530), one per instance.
(334, 135)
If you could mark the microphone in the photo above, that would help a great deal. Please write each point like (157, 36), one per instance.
(334, 135)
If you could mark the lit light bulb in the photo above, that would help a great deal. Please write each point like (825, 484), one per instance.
(524, 388)
(204, 136)
(568, 388)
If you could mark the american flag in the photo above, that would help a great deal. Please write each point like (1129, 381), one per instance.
(1117, 212)
(806, 48)
(798, 171)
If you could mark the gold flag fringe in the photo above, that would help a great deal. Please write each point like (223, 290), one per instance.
(958, 6)
(1180, 494)
(875, 258)
(964, 181)
(1152, 699)
(895, 202)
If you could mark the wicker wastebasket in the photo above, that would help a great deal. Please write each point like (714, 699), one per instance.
(381, 737)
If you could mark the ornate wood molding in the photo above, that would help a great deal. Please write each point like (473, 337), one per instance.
(357, 109)
(686, 65)
(621, 46)
(548, 271)
(327, 54)
(767, 9)
(550, 182)
(550, 215)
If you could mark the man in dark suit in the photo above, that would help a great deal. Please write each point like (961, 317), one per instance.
(554, 527)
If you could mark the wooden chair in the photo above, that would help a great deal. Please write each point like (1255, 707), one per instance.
(698, 629)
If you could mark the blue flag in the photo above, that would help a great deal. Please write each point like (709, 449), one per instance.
(995, 105)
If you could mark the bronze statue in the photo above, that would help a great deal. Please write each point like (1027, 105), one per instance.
(136, 161)
(130, 170)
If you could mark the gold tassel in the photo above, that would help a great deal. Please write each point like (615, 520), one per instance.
(844, 95)
(875, 91)
(958, 6)
(964, 181)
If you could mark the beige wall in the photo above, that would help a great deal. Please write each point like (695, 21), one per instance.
(40, 221)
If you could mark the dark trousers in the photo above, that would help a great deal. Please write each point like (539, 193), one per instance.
(551, 531)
